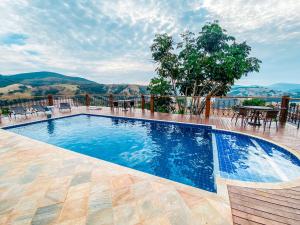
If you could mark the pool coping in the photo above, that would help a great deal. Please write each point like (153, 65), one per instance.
(219, 181)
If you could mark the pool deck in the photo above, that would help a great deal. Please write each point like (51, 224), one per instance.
(43, 184)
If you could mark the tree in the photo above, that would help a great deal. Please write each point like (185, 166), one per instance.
(206, 64)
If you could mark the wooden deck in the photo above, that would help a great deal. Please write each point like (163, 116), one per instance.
(262, 206)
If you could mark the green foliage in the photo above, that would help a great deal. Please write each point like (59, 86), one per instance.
(205, 64)
(160, 86)
(168, 66)
(4, 111)
(254, 102)
(163, 104)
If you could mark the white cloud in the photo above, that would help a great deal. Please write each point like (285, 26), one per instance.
(260, 20)
(108, 41)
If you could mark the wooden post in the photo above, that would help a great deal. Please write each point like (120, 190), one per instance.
(143, 102)
(207, 106)
(87, 100)
(111, 101)
(285, 100)
(152, 104)
(50, 100)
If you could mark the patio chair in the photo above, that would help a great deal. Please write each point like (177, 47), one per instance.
(116, 104)
(132, 104)
(18, 110)
(269, 117)
(235, 110)
(64, 106)
(242, 113)
(38, 108)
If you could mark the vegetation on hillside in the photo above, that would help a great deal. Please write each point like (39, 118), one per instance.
(44, 83)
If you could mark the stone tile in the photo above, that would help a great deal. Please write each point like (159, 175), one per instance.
(82, 177)
(73, 208)
(157, 221)
(141, 189)
(101, 216)
(205, 213)
(77, 221)
(123, 180)
(190, 199)
(99, 200)
(27, 204)
(20, 217)
(7, 205)
(78, 191)
(126, 214)
(47, 214)
(122, 196)
(149, 207)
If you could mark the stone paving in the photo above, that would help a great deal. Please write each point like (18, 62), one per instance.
(44, 184)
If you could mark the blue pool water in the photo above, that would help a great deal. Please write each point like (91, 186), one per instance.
(180, 152)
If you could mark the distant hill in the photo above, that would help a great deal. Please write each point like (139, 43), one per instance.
(44, 83)
(254, 91)
(292, 90)
(286, 87)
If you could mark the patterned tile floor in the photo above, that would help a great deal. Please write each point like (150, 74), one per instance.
(42, 184)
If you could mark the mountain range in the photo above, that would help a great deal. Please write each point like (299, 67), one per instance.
(278, 89)
(44, 83)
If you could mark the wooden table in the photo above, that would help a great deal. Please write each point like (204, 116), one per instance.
(257, 110)
(125, 104)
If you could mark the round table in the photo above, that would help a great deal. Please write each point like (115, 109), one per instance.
(255, 120)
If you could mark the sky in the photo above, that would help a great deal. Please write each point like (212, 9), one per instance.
(108, 41)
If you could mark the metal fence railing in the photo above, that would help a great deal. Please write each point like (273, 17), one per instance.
(224, 106)
(293, 115)
(194, 105)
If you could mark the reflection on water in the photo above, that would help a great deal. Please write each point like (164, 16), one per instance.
(50, 126)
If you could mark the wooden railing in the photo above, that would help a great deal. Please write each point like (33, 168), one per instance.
(197, 105)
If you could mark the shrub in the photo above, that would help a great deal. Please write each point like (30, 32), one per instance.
(255, 102)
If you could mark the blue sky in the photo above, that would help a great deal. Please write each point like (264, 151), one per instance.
(108, 40)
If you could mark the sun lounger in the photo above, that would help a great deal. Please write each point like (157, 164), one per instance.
(64, 106)
(38, 108)
(18, 110)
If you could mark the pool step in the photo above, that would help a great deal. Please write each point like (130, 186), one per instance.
(272, 164)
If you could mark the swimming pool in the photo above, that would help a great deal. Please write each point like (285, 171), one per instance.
(189, 154)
